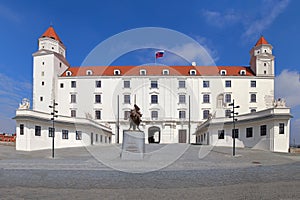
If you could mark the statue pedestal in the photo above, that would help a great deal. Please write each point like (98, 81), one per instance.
(133, 146)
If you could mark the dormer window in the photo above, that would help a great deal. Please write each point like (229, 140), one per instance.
(117, 72)
(243, 72)
(68, 73)
(89, 72)
(223, 72)
(165, 72)
(193, 72)
(143, 72)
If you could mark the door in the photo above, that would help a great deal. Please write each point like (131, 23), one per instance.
(182, 136)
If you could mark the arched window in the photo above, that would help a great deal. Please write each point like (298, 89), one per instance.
(220, 98)
(68, 73)
(89, 72)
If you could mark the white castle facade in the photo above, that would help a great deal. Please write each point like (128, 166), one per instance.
(180, 104)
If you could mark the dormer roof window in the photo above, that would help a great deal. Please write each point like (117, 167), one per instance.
(223, 72)
(243, 72)
(68, 73)
(143, 72)
(117, 72)
(89, 72)
(193, 72)
(165, 72)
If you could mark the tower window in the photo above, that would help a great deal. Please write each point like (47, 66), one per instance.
(43, 62)
(43, 83)
(281, 128)
(41, 99)
(21, 129)
(60, 65)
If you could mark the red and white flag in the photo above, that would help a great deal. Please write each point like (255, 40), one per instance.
(159, 54)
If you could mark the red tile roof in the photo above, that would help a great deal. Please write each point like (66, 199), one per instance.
(158, 70)
(261, 41)
(50, 32)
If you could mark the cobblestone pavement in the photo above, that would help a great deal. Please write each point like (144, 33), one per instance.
(75, 174)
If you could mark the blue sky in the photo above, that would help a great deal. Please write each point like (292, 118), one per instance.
(228, 29)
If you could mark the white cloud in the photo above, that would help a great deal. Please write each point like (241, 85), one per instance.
(269, 12)
(12, 91)
(287, 86)
(254, 23)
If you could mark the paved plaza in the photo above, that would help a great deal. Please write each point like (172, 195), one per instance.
(200, 172)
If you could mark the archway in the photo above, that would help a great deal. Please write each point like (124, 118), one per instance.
(154, 134)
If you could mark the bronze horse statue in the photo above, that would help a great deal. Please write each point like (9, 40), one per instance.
(135, 118)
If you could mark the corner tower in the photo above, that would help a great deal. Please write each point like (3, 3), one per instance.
(49, 62)
(262, 59)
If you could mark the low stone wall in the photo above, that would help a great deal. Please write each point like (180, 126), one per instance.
(294, 150)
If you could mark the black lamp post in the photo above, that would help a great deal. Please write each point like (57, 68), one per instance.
(234, 132)
(52, 119)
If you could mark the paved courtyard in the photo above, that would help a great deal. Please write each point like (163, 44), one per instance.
(200, 172)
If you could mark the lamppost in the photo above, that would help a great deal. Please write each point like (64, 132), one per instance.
(52, 119)
(234, 132)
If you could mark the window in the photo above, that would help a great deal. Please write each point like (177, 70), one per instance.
(101, 138)
(227, 98)
(181, 98)
(253, 110)
(126, 114)
(73, 84)
(73, 113)
(98, 114)
(223, 72)
(43, 63)
(51, 132)
(43, 83)
(73, 98)
(42, 73)
(253, 83)
(60, 65)
(227, 113)
(243, 72)
(181, 84)
(127, 98)
(192, 72)
(265, 64)
(265, 72)
(78, 135)
(154, 114)
(117, 72)
(181, 114)
(165, 72)
(249, 132)
(263, 130)
(221, 134)
(253, 98)
(68, 73)
(206, 98)
(143, 72)
(97, 137)
(41, 98)
(154, 99)
(126, 84)
(65, 134)
(37, 131)
(154, 84)
(97, 98)
(205, 114)
(61, 85)
(21, 129)
(227, 83)
(281, 128)
(89, 72)
(206, 84)
(98, 84)
(235, 133)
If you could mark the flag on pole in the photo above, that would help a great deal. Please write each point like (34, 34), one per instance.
(159, 54)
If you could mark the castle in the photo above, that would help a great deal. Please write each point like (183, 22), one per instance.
(180, 104)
